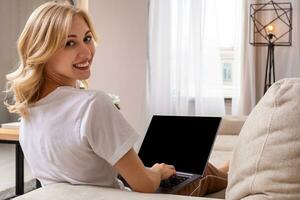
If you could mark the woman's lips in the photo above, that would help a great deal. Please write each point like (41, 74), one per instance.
(82, 66)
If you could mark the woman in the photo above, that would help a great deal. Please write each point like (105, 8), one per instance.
(68, 134)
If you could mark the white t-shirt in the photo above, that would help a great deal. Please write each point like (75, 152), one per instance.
(75, 136)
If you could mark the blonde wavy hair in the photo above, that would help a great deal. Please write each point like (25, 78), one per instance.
(45, 33)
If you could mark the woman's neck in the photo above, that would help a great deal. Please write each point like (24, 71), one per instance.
(50, 85)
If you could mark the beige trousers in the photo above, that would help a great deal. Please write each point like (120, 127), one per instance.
(213, 181)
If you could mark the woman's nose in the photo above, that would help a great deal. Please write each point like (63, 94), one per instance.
(85, 52)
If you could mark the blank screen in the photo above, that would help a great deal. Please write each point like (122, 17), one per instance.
(183, 141)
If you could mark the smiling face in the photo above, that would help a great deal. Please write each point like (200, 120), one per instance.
(72, 62)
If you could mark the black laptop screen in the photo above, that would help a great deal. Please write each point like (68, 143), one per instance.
(183, 141)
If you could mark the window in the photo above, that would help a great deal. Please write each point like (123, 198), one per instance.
(228, 12)
(226, 73)
(227, 63)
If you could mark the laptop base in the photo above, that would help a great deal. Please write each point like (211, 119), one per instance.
(176, 188)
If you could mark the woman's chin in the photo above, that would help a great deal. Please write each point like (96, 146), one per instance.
(84, 76)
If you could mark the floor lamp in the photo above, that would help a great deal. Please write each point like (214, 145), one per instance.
(270, 25)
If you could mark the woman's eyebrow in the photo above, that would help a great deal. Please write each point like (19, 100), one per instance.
(89, 31)
(76, 35)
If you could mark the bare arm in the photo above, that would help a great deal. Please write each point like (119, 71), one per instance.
(140, 178)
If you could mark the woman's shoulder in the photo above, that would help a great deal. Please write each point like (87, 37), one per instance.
(65, 90)
(86, 94)
(97, 100)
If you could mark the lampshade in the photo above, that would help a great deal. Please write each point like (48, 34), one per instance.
(270, 18)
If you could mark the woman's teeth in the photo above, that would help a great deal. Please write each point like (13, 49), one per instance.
(82, 65)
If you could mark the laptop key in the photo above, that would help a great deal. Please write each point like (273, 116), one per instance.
(172, 181)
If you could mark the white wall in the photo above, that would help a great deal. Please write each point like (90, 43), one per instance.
(7, 50)
(120, 62)
(13, 16)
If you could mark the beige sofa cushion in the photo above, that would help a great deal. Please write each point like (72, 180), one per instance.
(266, 161)
(231, 125)
(65, 191)
(225, 142)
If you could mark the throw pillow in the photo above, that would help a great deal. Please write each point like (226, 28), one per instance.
(266, 161)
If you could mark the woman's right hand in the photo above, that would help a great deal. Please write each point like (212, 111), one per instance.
(139, 177)
(164, 170)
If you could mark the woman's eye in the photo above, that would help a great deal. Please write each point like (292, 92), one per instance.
(70, 43)
(87, 39)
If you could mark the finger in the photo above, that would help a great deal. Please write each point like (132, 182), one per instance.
(174, 171)
(172, 166)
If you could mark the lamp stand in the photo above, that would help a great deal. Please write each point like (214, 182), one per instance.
(270, 25)
(270, 66)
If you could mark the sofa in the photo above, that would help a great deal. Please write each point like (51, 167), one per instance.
(222, 151)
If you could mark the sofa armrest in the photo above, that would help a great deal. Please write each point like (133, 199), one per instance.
(63, 191)
(231, 125)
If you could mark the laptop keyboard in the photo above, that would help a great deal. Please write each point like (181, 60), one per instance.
(172, 181)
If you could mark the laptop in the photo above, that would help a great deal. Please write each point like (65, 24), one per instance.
(183, 141)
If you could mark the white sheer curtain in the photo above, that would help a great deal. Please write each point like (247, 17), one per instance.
(244, 79)
(248, 81)
(185, 72)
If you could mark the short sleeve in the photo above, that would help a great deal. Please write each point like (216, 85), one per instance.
(107, 131)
